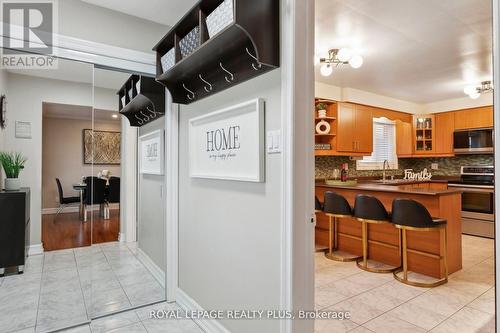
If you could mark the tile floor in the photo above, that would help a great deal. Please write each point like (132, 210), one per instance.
(68, 287)
(138, 321)
(378, 303)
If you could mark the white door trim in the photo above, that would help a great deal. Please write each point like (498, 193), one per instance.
(101, 54)
(496, 98)
(297, 256)
(172, 196)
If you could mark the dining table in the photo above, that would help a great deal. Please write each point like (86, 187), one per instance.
(81, 189)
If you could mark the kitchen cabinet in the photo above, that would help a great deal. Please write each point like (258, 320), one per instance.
(325, 144)
(354, 129)
(424, 134)
(404, 139)
(445, 125)
(474, 118)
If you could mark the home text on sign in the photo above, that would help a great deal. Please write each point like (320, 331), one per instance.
(223, 139)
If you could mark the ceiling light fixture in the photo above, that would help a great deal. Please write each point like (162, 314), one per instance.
(338, 57)
(475, 92)
(115, 116)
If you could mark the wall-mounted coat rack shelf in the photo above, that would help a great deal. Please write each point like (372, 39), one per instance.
(216, 45)
(141, 100)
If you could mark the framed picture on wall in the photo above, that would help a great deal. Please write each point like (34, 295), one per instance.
(151, 147)
(229, 144)
(101, 147)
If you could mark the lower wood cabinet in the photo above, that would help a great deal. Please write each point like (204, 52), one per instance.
(14, 228)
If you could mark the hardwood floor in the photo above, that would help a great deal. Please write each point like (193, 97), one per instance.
(68, 231)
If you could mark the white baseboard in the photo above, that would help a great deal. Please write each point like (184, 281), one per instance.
(74, 209)
(121, 237)
(207, 325)
(156, 271)
(35, 249)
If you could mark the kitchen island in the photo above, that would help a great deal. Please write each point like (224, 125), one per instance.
(440, 201)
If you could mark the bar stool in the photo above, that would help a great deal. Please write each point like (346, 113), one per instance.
(335, 207)
(411, 215)
(318, 207)
(369, 210)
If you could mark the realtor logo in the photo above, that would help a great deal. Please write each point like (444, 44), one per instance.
(28, 34)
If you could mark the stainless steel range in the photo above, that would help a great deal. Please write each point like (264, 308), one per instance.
(478, 200)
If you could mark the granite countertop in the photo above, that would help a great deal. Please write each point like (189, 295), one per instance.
(379, 187)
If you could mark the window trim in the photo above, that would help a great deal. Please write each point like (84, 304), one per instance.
(368, 166)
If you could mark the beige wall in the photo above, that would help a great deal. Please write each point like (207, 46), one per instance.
(62, 149)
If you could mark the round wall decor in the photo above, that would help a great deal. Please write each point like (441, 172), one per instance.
(323, 127)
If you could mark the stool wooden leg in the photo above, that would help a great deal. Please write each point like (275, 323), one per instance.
(330, 236)
(336, 233)
(445, 253)
(405, 256)
(364, 231)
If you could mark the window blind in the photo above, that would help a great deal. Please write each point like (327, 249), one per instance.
(384, 146)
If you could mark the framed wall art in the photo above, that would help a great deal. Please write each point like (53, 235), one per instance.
(229, 144)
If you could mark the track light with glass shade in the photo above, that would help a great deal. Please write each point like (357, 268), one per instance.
(338, 57)
(475, 91)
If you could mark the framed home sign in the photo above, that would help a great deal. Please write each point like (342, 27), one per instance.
(151, 153)
(229, 144)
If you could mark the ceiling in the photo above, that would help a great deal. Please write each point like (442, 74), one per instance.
(166, 12)
(418, 51)
(67, 111)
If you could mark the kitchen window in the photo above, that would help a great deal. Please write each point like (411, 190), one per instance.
(384, 146)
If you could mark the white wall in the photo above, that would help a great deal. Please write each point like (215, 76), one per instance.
(346, 94)
(85, 21)
(25, 97)
(229, 231)
(151, 223)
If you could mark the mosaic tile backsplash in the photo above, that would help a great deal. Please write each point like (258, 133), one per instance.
(448, 166)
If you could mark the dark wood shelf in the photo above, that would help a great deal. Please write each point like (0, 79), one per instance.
(151, 96)
(253, 32)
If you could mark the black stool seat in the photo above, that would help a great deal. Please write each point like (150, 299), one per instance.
(369, 210)
(336, 206)
(411, 215)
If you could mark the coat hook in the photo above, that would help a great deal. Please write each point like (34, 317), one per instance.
(259, 65)
(139, 120)
(153, 112)
(191, 94)
(209, 89)
(147, 118)
(228, 72)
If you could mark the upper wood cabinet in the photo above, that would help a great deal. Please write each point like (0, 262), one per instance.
(445, 125)
(424, 134)
(474, 118)
(354, 128)
(404, 138)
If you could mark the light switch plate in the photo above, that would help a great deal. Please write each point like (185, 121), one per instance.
(434, 166)
(273, 142)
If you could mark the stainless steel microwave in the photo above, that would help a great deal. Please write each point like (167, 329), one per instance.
(473, 141)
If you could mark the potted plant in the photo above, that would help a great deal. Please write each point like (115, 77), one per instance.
(12, 164)
(321, 108)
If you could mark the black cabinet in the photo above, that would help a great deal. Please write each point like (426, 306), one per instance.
(14, 228)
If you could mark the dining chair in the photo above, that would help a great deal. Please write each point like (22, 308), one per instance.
(94, 195)
(64, 201)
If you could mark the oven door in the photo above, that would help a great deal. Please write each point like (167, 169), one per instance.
(478, 210)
